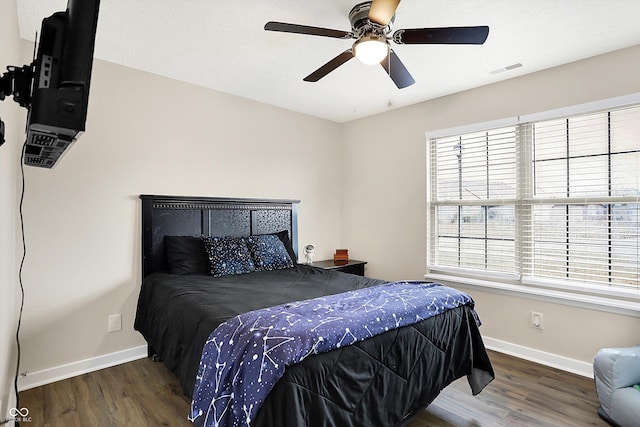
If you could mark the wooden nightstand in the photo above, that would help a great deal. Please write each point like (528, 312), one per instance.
(353, 266)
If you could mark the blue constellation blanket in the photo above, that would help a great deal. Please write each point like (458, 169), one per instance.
(245, 356)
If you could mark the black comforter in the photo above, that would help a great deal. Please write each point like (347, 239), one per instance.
(382, 381)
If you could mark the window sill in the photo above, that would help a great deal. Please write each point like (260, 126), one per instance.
(591, 302)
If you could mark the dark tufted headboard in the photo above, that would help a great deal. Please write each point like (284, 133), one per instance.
(209, 216)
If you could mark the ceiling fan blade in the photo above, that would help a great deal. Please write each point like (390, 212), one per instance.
(329, 66)
(382, 11)
(305, 29)
(397, 71)
(444, 35)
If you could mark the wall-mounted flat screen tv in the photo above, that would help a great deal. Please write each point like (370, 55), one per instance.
(62, 73)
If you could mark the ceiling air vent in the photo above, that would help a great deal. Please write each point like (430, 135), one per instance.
(507, 68)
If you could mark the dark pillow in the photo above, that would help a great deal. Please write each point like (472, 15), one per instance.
(268, 252)
(284, 237)
(186, 255)
(228, 256)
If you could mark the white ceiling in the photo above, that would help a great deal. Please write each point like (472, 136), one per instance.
(222, 45)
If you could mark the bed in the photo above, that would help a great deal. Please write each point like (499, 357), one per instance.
(383, 379)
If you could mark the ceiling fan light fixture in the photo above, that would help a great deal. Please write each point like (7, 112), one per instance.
(371, 50)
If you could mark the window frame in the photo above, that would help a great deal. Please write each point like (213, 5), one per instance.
(618, 300)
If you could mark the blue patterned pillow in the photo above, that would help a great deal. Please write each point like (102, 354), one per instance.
(228, 255)
(268, 252)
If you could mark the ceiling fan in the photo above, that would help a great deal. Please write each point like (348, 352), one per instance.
(371, 24)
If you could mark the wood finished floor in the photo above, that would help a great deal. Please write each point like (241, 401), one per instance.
(143, 393)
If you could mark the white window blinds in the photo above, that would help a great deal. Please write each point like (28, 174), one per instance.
(473, 199)
(582, 218)
(546, 201)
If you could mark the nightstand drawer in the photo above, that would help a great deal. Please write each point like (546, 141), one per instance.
(353, 266)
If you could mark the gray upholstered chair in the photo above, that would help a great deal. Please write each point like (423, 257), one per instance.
(616, 371)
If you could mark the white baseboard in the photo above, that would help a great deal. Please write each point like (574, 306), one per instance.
(563, 363)
(62, 372)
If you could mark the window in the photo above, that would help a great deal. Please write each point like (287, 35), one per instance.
(547, 202)
(474, 211)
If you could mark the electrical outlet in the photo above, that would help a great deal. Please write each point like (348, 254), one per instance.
(537, 320)
(115, 322)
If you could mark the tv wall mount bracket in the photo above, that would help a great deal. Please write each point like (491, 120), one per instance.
(16, 82)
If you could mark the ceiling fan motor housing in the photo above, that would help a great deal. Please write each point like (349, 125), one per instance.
(362, 26)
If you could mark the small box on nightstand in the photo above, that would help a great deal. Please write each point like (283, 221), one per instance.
(341, 257)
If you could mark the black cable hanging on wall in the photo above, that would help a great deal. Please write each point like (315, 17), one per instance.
(24, 254)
